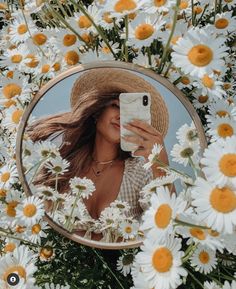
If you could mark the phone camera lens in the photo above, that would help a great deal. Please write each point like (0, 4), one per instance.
(145, 100)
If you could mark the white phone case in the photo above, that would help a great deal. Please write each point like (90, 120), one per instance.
(132, 107)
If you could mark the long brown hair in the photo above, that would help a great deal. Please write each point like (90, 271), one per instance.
(78, 130)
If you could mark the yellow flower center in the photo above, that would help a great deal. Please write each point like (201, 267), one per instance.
(144, 31)
(71, 57)
(33, 62)
(132, 15)
(222, 113)
(223, 200)
(84, 22)
(3, 193)
(197, 9)
(128, 229)
(221, 23)
(159, 3)
(204, 257)
(106, 17)
(183, 5)
(213, 233)
(162, 260)
(69, 39)
(86, 37)
(198, 233)
(124, 5)
(200, 55)
(16, 58)
(217, 72)
(5, 177)
(227, 165)
(29, 210)
(208, 81)
(168, 25)
(16, 116)
(19, 229)
(36, 229)
(10, 74)
(3, 6)
(46, 252)
(10, 209)
(19, 269)
(22, 29)
(57, 66)
(106, 50)
(185, 80)
(9, 247)
(227, 85)
(39, 38)
(45, 68)
(203, 98)
(10, 90)
(174, 39)
(163, 216)
(225, 130)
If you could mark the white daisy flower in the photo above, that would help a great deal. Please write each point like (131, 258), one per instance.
(161, 263)
(187, 134)
(221, 128)
(46, 150)
(47, 193)
(211, 285)
(30, 211)
(47, 252)
(85, 187)
(159, 218)
(216, 206)
(105, 52)
(120, 8)
(8, 175)
(22, 263)
(122, 206)
(220, 108)
(209, 85)
(124, 263)
(219, 161)
(153, 157)
(129, 229)
(19, 30)
(143, 60)
(204, 260)
(57, 166)
(153, 6)
(229, 3)
(224, 23)
(71, 57)
(33, 6)
(37, 232)
(200, 101)
(182, 153)
(198, 54)
(185, 7)
(227, 285)
(230, 242)
(107, 22)
(144, 29)
(12, 118)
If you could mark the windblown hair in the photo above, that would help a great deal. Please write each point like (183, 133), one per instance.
(78, 130)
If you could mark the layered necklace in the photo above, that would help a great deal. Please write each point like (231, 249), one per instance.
(98, 170)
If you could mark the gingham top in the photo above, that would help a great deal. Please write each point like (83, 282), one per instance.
(135, 177)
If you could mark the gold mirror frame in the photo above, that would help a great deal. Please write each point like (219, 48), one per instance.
(81, 68)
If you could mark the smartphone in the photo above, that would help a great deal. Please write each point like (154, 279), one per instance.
(133, 106)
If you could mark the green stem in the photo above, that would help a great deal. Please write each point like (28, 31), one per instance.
(37, 166)
(216, 281)
(62, 9)
(195, 279)
(168, 68)
(182, 223)
(7, 235)
(126, 38)
(189, 252)
(99, 30)
(203, 12)
(215, 11)
(193, 14)
(68, 225)
(166, 49)
(105, 264)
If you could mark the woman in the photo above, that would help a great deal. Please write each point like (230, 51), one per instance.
(91, 139)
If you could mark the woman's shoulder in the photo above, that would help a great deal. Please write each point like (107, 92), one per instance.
(134, 166)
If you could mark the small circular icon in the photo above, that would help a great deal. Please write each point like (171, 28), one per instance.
(13, 279)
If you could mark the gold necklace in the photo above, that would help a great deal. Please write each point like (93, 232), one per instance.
(97, 172)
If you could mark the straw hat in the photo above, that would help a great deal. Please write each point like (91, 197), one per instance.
(113, 79)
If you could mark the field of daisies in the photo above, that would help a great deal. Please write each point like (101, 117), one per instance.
(189, 238)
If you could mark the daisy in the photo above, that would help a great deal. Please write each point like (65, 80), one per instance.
(185, 7)
(180, 80)
(12, 118)
(46, 150)
(219, 161)
(218, 109)
(47, 252)
(47, 193)
(221, 128)
(85, 187)
(211, 285)
(182, 153)
(161, 263)
(105, 52)
(230, 242)
(227, 285)
(124, 263)
(204, 260)
(10, 245)
(30, 63)
(57, 166)
(120, 8)
(107, 22)
(225, 23)
(215, 206)
(198, 54)
(143, 60)
(153, 157)
(122, 206)
(144, 29)
(129, 229)
(22, 263)
(187, 134)
(229, 3)
(209, 85)
(200, 100)
(30, 211)
(20, 30)
(154, 6)
(36, 232)
(8, 175)
(71, 57)
(158, 219)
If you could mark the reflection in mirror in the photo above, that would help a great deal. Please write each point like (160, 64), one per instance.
(72, 156)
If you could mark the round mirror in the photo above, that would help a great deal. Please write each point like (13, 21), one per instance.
(83, 143)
